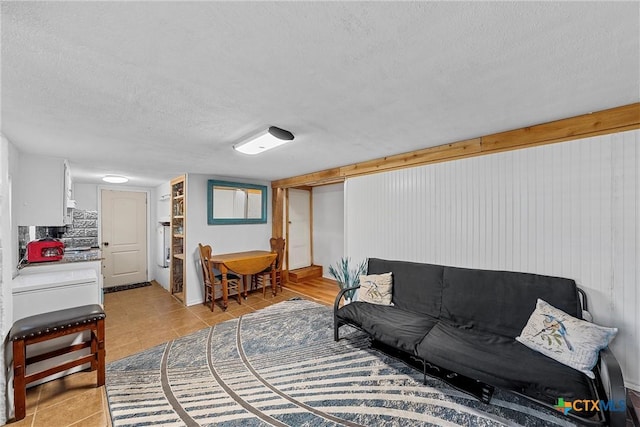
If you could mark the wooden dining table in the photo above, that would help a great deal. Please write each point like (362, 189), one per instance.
(244, 263)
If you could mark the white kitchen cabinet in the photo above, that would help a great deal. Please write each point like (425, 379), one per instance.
(44, 191)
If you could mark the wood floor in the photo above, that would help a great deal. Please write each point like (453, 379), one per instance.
(138, 319)
(321, 290)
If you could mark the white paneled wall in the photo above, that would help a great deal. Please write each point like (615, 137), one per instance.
(328, 225)
(570, 209)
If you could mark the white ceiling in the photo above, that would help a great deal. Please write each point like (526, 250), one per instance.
(155, 89)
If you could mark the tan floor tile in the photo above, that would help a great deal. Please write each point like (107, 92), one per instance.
(179, 314)
(67, 387)
(252, 299)
(116, 353)
(187, 322)
(153, 340)
(96, 420)
(199, 308)
(186, 330)
(151, 323)
(241, 311)
(215, 317)
(167, 308)
(115, 309)
(113, 321)
(33, 397)
(120, 335)
(70, 410)
(25, 422)
(260, 304)
(139, 316)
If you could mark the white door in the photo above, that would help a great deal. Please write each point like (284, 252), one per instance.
(299, 228)
(124, 237)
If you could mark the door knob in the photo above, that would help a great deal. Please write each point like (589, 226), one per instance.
(106, 243)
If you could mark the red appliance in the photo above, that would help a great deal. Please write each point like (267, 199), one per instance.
(45, 250)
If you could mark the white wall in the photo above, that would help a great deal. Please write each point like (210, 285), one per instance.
(9, 160)
(11, 262)
(328, 225)
(570, 209)
(222, 238)
(85, 195)
(5, 268)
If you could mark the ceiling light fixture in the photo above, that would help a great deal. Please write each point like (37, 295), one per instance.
(115, 179)
(265, 140)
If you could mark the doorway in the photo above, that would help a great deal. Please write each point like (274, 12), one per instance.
(124, 237)
(299, 228)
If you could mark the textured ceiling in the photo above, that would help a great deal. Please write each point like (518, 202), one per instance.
(154, 89)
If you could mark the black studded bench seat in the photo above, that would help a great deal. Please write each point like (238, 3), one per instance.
(47, 326)
(46, 323)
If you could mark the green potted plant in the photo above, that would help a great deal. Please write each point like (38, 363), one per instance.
(347, 276)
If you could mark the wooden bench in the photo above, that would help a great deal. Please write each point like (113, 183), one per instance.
(47, 326)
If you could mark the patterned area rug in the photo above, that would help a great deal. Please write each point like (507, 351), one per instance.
(280, 366)
(125, 287)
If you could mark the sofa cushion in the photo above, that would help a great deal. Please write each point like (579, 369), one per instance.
(388, 324)
(573, 342)
(501, 301)
(503, 362)
(417, 287)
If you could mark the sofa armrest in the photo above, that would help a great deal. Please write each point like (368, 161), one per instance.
(336, 304)
(613, 385)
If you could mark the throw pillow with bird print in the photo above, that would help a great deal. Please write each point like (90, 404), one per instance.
(376, 289)
(571, 341)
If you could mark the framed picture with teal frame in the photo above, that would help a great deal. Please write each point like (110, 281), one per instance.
(236, 203)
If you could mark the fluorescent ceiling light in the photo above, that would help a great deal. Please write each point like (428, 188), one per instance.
(115, 179)
(264, 141)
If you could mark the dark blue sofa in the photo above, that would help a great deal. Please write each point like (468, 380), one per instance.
(464, 321)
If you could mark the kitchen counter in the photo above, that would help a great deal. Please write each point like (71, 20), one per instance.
(72, 255)
(80, 256)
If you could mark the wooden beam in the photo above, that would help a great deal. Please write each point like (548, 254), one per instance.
(619, 119)
(329, 176)
(414, 158)
(586, 125)
(277, 212)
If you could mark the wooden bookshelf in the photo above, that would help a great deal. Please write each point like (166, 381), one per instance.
(178, 232)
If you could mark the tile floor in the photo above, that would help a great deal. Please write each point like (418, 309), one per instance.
(137, 319)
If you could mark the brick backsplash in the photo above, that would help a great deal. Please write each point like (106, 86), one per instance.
(83, 231)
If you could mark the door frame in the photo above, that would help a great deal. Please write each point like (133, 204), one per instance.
(286, 225)
(132, 190)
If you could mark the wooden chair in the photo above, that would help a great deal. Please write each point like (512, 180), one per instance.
(210, 280)
(260, 279)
